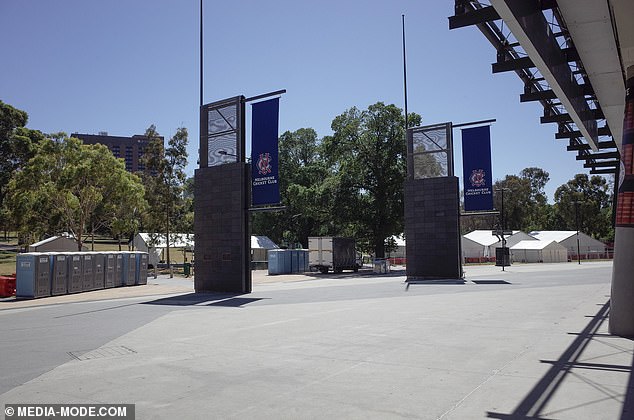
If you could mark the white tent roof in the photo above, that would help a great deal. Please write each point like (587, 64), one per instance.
(262, 242)
(177, 240)
(553, 235)
(398, 239)
(45, 241)
(484, 237)
(183, 240)
(528, 244)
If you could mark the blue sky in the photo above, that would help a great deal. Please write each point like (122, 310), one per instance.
(118, 66)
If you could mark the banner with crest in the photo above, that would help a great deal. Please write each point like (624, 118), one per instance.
(476, 166)
(265, 187)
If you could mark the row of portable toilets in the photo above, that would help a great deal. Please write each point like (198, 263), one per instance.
(288, 261)
(40, 274)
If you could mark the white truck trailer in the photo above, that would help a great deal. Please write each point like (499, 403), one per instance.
(332, 253)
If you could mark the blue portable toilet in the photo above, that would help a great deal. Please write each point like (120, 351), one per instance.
(33, 275)
(275, 261)
(294, 254)
(303, 261)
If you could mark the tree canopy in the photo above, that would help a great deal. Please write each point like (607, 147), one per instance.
(164, 179)
(18, 144)
(69, 186)
(347, 184)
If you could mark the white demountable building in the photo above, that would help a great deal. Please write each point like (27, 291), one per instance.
(480, 244)
(588, 246)
(56, 244)
(154, 244)
(260, 246)
(538, 251)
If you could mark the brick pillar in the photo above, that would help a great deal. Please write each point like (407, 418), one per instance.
(432, 228)
(222, 253)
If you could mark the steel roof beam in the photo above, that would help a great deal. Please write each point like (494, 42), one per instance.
(530, 28)
(585, 146)
(603, 171)
(602, 164)
(464, 18)
(604, 155)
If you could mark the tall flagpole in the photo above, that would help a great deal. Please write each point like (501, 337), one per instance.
(201, 53)
(404, 73)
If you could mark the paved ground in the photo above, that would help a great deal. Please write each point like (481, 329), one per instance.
(530, 342)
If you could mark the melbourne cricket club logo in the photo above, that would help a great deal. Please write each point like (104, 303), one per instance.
(477, 178)
(264, 164)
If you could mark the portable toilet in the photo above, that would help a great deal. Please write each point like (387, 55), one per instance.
(118, 269)
(75, 273)
(59, 273)
(129, 268)
(88, 271)
(33, 275)
(141, 268)
(281, 261)
(109, 261)
(276, 261)
(303, 260)
(98, 269)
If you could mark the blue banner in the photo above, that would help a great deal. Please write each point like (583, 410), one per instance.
(476, 167)
(265, 188)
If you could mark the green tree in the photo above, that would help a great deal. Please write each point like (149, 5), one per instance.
(70, 186)
(537, 212)
(302, 178)
(525, 202)
(164, 180)
(17, 146)
(589, 199)
(367, 159)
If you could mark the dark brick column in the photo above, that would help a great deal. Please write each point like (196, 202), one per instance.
(223, 246)
(432, 228)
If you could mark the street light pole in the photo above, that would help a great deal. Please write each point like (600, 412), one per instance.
(501, 190)
(576, 203)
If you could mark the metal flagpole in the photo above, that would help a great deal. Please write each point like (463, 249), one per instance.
(404, 73)
(201, 53)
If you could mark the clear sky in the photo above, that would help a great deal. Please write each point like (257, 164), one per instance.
(120, 65)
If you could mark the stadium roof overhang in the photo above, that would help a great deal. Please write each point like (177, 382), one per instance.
(571, 56)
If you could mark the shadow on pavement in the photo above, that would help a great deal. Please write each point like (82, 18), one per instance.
(364, 272)
(490, 282)
(435, 282)
(232, 300)
(534, 404)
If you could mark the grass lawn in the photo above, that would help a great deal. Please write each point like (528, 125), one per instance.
(7, 263)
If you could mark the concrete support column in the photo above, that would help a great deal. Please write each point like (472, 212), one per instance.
(223, 242)
(622, 296)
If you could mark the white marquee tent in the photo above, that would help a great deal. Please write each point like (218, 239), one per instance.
(538, 251)
(588, 246)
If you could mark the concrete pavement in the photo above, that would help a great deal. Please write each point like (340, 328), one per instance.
(531, 342)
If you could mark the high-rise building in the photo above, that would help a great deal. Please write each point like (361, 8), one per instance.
(131, 149)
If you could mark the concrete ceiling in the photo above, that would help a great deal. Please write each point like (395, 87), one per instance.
(594, 27)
